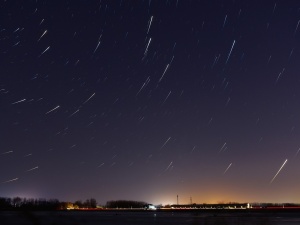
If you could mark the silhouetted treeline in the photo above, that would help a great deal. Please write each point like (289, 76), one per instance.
(89, 203)
(125, 204)
(265, 205)
(18, 203)
(28, 204)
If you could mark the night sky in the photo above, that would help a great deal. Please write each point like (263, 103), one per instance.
(147, 100)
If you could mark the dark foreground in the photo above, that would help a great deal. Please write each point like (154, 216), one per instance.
(241, 217)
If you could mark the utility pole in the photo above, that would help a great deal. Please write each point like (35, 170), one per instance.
(191, 202)
(177, 199)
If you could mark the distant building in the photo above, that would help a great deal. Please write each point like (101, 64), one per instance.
(150, 207)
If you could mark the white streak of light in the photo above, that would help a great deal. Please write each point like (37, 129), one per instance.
(230, 51)
(146, 50)
(74, 113)
(19, 101)
(224, 21)
(53, 109)
(169, 166)
(164, 73)
(8, 181)
(89, 98)
(145, 83)
(279, 75)
(4, 153)
(165, 143)
(166, 97)
(45, 32)
(151, 18)
(44, 51)
(227, 168)
(99, 41)
(222, 147)
(278, 171)
(100, 165)
(34, 168)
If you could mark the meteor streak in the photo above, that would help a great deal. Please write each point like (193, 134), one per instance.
(4, 153)
(89, 98)
(45, 32)
(145, 53)
(278, 171)
(151, 18)
(34, 168)
(53, 109)
(165, 143)
(44, 51)
(19, 101)
(230, 51)
(227, 168)
(169, 166)
(8, 181)
(164, 73)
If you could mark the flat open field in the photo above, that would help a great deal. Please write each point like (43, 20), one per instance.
(149, 217)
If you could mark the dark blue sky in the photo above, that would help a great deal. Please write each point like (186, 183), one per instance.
(145, 100)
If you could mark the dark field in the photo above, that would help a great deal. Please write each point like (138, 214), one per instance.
(149, 217)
